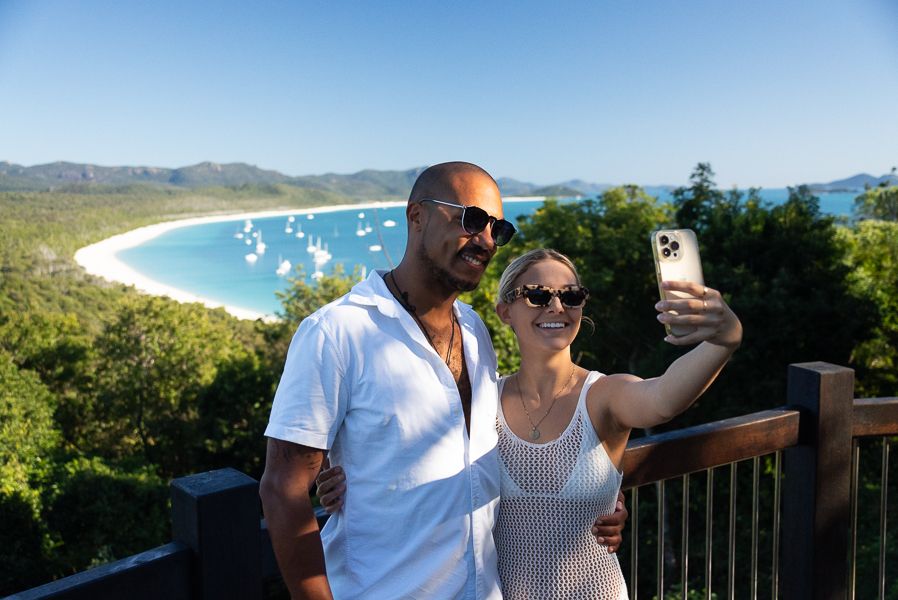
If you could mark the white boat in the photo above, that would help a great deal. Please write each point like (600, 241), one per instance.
(239, 235)
(317, 275)
(288, 230)
(311, 247)
(247, 226)
(299, 233)
(375, 248)
(368, 228)
(361, 215)
(358, 230)
(260, 245)
(291, 218)
(251, 258)
(248, 241)
(389, 223)
(284, 267)
(321, 255)
(310, 216)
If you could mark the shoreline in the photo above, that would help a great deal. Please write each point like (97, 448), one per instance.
(99, 259)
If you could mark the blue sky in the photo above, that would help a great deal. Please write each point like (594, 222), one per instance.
(772, 93)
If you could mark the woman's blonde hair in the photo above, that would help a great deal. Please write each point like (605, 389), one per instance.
(519, 265)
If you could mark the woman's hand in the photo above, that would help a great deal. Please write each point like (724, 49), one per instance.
(706, 311)
(331, 484)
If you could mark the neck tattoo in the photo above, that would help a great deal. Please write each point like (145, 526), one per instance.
(403, 300)
(534, 429)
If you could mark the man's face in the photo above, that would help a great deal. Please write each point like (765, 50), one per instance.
(453, 256)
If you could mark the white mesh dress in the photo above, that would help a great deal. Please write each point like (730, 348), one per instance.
(551, 495)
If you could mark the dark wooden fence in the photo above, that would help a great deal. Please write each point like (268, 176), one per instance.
(221, 549)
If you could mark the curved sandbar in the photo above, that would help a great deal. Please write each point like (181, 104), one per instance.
(101, 258)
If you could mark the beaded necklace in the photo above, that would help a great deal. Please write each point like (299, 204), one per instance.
(403, 300)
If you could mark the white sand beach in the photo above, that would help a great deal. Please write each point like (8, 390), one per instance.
(100, 259)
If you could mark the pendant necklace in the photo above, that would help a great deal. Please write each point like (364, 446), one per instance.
(534, 429)
(403, 300)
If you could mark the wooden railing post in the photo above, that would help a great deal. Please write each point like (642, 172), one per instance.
(217, 515)
(816, 486)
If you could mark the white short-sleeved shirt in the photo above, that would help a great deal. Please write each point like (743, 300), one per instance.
(362, 381)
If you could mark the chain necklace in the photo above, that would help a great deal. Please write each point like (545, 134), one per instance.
(403, 300)
(534, 429)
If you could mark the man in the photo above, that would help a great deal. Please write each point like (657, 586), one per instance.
(398, 383)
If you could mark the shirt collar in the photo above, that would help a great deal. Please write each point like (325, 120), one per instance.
(373, 291)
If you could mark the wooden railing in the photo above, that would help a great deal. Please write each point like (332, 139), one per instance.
(221, 550)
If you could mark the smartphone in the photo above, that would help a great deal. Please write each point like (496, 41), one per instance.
(676, 259)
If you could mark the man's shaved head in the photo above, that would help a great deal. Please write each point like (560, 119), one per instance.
(434, 181)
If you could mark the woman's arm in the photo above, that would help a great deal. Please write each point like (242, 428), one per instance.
(633, 402)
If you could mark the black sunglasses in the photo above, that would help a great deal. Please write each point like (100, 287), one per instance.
(539, 296)
(474, 220)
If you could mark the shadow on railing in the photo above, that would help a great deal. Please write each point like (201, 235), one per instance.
(222, 550)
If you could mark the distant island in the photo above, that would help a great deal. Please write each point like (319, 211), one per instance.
(856, 183)
(367, 185)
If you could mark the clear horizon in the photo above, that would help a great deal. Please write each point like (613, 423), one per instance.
(772, 94)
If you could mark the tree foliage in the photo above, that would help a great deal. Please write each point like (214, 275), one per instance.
(872, 258)
(878, 203)
(27, 437)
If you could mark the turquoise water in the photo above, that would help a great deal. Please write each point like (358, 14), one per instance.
(209, 261)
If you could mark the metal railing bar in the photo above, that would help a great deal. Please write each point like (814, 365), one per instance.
(756, 468)
(883, 511)
(634, 544)
(684, 541)
(660, 575)
(731, 566)
(852, 539)
(709, 519)
(777, 481)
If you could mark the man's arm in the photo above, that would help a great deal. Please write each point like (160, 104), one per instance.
(608, 529)
(290, 470)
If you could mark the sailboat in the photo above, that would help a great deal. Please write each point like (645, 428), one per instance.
(284, 267)
(321, 254)
(359, 231)
(251, 258)
(299, 233)
(260, 245)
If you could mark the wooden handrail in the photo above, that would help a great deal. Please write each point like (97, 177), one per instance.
(691, 449)
(875, 417)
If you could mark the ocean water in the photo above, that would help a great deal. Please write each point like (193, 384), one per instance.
(209, 260)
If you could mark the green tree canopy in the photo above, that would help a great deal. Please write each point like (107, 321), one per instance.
(878, 203)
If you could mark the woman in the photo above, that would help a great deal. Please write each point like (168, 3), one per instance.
(563, 430)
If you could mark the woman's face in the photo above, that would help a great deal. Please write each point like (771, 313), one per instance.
(549, 328)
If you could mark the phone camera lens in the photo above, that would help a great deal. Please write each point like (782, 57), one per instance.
(666, 252)
(675, 245)
(664, 239)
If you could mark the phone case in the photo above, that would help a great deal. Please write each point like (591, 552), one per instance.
(676, 259)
